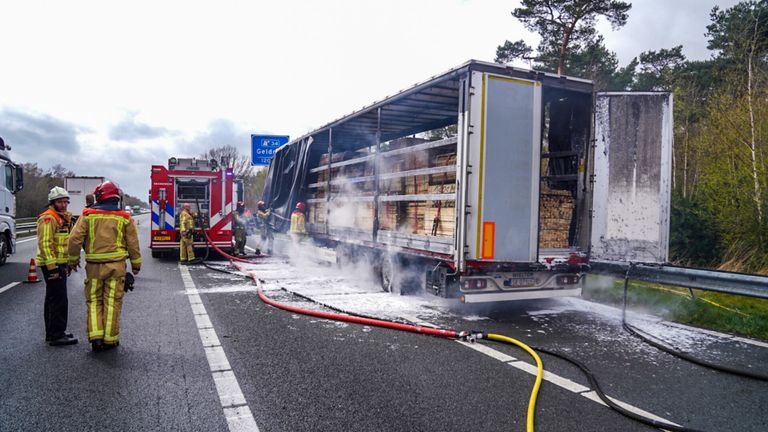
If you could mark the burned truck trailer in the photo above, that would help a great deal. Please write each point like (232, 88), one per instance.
(533, 175)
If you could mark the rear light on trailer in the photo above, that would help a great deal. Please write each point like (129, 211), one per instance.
(576, 259)
(567, 279)
(476, 284)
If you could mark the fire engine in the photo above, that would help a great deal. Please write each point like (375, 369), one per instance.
(207, 187)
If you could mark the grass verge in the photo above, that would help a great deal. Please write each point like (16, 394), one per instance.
(740, 315)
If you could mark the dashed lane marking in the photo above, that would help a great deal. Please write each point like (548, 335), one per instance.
(9, 286)
(550, 377)
(236, 411)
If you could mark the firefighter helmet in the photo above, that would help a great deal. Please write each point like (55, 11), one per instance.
(107, 190)
(300, 206)
(56, 193)
(260, 205)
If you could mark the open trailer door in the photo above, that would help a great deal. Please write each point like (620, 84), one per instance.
(504, 155)
(633, 177)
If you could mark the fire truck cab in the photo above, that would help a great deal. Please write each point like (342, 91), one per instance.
(207, 187)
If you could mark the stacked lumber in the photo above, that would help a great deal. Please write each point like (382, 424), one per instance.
(555, 213)
(413, 217)
(316, 213)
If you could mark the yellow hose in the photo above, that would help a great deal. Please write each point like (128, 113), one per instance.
(539, 374)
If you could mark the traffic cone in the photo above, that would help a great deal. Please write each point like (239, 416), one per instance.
(32, 277)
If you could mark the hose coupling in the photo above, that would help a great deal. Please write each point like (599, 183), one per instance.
(471, 336)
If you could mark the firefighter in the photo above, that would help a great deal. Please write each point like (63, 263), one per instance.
(262, 215)
(109, 237)
(298, 222)
(53, 227)
(89, 201)
(238, 220)
(186, 229)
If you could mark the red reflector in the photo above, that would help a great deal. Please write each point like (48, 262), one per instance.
(220, 233)
(575, 259)
(567, 280)
(477, 284)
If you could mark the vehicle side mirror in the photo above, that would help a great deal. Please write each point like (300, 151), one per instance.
(18, 183)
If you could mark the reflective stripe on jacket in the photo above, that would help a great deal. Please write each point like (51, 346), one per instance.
(52, 235)
(106, 236)
(298, 223)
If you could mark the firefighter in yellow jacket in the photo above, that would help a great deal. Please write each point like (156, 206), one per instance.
(52, 233)
(298, 222)
(186, 229)
(109, 237)
(267, 238)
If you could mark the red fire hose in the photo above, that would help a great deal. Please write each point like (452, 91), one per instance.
(348, 318)
(233, 258)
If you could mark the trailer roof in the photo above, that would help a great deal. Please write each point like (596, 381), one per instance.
(424, 106)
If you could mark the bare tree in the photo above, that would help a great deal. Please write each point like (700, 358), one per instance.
(241, 164)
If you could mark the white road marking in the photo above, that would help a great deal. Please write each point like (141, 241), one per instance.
(203, 321)
(490, 352)
(236, 412)
(228, 389)
(217, 360)
(555, 379)
(26, 240)
(9, 286)
(239, 419)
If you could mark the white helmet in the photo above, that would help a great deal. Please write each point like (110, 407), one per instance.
(56, 193)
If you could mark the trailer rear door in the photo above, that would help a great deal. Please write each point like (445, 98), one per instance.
(633, 172)
(504, 158)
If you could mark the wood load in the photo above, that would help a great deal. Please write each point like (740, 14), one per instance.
(555, 215)
(417, 216)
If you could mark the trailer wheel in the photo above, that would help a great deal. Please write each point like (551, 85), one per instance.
(3, 248)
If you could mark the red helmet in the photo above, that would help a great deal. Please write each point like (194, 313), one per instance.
(260, 205)
(300, 206)
(107, 190)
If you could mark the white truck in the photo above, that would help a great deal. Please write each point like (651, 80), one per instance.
(78, 188)
(12, 182)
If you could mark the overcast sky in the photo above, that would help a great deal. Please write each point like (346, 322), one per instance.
(108, 88)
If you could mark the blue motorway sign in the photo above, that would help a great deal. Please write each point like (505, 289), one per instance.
(263, 147)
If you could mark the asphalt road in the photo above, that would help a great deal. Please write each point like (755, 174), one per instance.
(294, 373)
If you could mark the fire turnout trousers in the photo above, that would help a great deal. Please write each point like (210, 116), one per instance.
(186, 251)
(104, 289)
(267, 240)
(240, 240)
(55, 309)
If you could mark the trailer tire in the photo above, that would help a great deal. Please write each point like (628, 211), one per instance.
(3, 248)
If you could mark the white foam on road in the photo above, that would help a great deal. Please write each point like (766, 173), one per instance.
(235, 408)
(354, 296)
